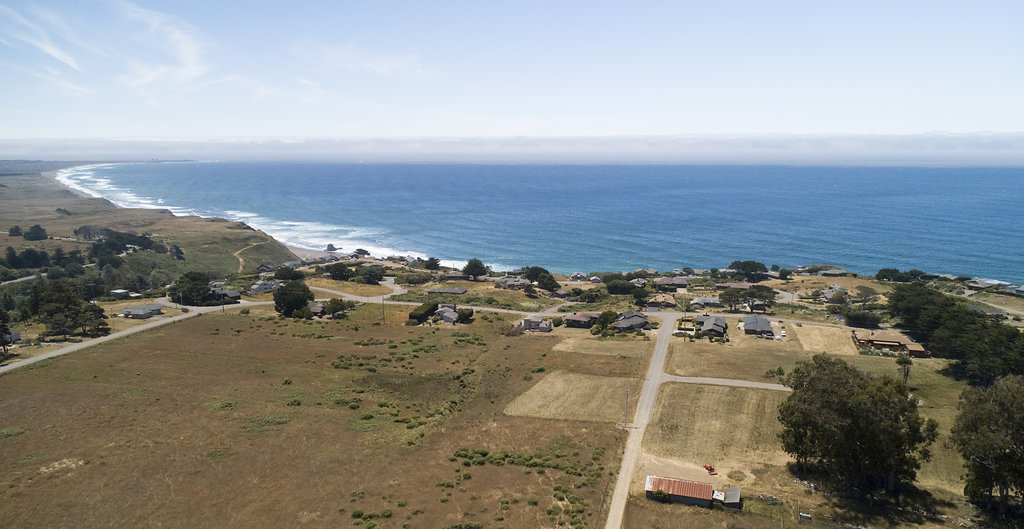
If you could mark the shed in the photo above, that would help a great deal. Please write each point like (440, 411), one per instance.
(681, 491)
(142, 312)
(732, 498)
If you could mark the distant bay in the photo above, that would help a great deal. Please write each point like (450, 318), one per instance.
(606, 217)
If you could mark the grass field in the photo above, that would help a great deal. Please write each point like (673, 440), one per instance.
(208, 244)
(231, 420)
(744, 357)
(479, 293)
(1010, 302)
(820, 339)
(730, 428)
(581, 341)
(348, 287)
(562, 395)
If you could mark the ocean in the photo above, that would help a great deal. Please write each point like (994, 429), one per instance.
(606, 217)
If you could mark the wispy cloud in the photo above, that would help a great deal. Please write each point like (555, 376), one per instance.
(351, 58)
(181, 44)
(34, 34)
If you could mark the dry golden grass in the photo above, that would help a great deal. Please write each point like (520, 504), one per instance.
(730, 428)
(348, 287)
(1010, 302)
(744, 357)
(581, 341)
(572, 396)
(819, 339)
(189, 424)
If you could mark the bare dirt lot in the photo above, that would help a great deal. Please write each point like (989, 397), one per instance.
(231, 420)
(581, 341)
(562, 395)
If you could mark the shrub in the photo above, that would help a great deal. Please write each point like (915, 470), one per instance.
(424, 311)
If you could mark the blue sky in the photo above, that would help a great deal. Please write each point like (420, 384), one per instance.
(189, 70)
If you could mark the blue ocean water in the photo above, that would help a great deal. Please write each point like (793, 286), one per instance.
(606, 217)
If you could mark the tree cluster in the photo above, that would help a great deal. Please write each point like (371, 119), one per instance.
(857, 428)
(893, 274)
(292, 298)
(474, 268)
(984, 347)
(63, 311)
(35, 233)
(288, 274)
(989, 434)
(734, 297)
(750, 270)
(544, 279)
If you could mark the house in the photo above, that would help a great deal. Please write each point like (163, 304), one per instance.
(671, 283)
(265, 286)
(142, 312)
(830, 292)
(703, 302)
(595, 279)
(987, 311)
(681, 491)
(560, 294)
(453, 290)
(455, 276)
(638, 282)
(119, 293)
(712, 325)
(630, 319)
(976, 285)
(662, 300)
(316, 307)
(757, 324)
(889, 341)
(232, 295)
(536, 324)
(577, 276)
(9, 337)
(833, 272)
(512, 282)
(448, 313)
(264, 268)
(583, 320)
(701, 272)
(723, 286)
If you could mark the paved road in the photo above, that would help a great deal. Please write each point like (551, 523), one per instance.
(20, 279)
(644, 411)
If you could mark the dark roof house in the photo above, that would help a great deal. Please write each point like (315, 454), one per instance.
(142, 312)
(630, 319)
(757, 324)
(713, 325)
(581, 319)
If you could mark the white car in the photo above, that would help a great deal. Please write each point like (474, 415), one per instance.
(783, 333)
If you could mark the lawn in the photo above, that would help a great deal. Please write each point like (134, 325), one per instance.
(231, 420)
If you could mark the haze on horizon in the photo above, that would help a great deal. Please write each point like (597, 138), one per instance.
(802, 82)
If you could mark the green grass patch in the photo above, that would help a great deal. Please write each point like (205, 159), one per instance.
(219, 453)
(34, 457)
(260, 424)
(221, 405)
(11, 431)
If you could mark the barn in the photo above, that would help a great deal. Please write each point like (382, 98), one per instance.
(681, 491)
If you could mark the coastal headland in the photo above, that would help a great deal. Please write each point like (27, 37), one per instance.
(236, 416)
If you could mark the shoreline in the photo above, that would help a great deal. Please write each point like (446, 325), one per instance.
(302, 250)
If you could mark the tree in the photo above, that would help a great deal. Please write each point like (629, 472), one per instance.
(619, 286)
(759, 293)
(432, 263)
(60, 307)
(785, 274)
(370, 275)
(750, 270)
(864, 319)
(989, 434)
(289, 274)
(5, 330)
(14, 231)
(465, 315)
(904, 362)
(474, 268)
(339, 271)
(93, 320)
(291, 297)
(35, 233)
(856, 427)
(866, 294)
(731, 297)
(192, 288)
(336, 306)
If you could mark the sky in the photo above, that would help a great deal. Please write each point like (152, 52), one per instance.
(273, 75)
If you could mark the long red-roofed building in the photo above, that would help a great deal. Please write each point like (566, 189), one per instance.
(680, 490)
